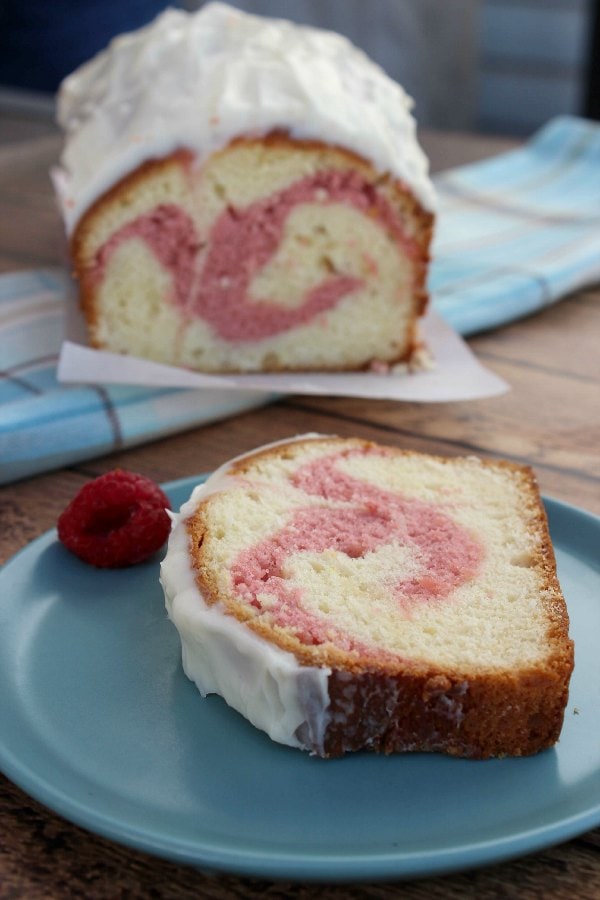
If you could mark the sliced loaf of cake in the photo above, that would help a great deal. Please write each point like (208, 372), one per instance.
(242, 195)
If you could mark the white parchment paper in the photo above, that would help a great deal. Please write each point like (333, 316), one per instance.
(456, 374)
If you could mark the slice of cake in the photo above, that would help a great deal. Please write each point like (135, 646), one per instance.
(343, 595)
(244, 194)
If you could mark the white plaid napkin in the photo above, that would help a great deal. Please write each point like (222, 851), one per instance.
(514, 233)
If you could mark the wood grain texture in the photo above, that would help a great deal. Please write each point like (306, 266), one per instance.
(43, 856)
(549, 419)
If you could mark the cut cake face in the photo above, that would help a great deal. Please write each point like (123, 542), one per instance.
(413, 598)
(276, 255)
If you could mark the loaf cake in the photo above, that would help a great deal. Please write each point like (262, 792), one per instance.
(244, 195)
(343, 595)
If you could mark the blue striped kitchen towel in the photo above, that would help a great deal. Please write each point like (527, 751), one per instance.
(518, 231)
(514, 233)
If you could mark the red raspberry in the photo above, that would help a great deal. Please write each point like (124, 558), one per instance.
(116, 520)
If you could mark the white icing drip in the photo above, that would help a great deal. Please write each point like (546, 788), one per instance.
(264, 683)
(198, 80)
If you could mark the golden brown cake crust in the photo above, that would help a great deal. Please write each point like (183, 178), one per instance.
(479, 717)
(396, 707)
(82, 244)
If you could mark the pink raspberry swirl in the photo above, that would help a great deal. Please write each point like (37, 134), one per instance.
(367, 518)
(212, 279)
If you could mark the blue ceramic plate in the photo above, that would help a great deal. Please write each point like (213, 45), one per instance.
(100, 724)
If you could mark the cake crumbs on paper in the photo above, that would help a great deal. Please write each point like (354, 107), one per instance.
(422, 360)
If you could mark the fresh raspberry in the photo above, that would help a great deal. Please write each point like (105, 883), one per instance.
(116, 520)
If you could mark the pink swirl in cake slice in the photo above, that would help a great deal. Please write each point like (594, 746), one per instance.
(212, 279)
(360, 519)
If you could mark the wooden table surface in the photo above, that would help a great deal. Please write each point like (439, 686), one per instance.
(549, 419)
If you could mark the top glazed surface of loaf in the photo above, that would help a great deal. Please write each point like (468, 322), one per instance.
(198, 80)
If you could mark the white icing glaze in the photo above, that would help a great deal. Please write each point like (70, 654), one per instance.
(197, 80)
(267, 685)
